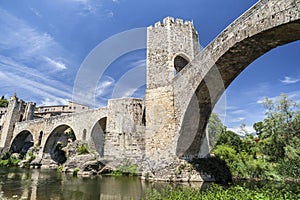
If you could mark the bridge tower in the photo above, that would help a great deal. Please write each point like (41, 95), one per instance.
(171, 45)
(17, 111)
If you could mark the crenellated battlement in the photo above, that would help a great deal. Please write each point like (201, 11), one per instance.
(169, 21)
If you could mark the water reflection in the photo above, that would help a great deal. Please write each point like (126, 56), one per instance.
(40, 184)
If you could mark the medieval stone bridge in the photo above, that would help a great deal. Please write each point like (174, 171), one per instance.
(178, 105)
(116, 131)
(88, 126)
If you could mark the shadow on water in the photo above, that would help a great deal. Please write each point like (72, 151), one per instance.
(49, 184)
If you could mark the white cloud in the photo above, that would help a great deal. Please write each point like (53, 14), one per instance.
(236, 120)
(51, 102)
(289, 80)
(36, 88)
(34, 11)
(237, 112)
(105, 86)
(294, 95)
(56, 64)
(87, 7)
(28, 45)
(238, 130)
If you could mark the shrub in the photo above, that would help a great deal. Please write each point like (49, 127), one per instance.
(129, 170)
(75, 171)
(83, 149)
(60, 168)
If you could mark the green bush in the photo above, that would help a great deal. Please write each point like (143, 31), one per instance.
(129, 170)
(75, 171)
(83, 149)
(10, 162)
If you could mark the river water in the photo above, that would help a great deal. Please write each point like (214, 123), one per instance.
(42, 184)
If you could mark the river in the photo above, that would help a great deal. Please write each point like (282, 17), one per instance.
(42, 184)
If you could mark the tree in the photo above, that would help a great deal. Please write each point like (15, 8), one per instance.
(231, 139)
(214, 129)
(280, 128)
(3, 102)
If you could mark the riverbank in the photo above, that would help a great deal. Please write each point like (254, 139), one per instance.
(239, 190)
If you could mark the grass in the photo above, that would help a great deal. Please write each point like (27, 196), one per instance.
(128, 170)
(245, 191)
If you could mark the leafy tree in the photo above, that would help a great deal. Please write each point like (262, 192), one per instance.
(280, 128)
(3, 102)
(214, 128)
(231, 139)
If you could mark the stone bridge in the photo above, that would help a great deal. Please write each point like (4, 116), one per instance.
(177, 120)
(116, 131)
(88, 126)
(183, 86)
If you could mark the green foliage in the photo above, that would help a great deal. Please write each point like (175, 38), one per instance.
(129, 170)
(5, 155)
(280, 127)
(60, 168)
(9, 162)
(29, 158)
(3, 102)
(83, 149)
(244, 163)
(274, 153)
(258, 126)
(231, 139)
(214, 128)
(75, 171)
(246, 191)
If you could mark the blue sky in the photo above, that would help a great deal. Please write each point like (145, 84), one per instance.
(42, 46)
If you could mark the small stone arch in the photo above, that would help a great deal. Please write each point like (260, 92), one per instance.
(180, 61)
(98, 135)
(59, 138)
(22, 142)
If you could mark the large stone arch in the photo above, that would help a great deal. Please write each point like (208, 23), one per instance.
(22, 142)
(98, 135)
(58, 138)
(267, 25)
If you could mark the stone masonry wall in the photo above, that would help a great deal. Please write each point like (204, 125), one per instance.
(165, 41)
(125, 131)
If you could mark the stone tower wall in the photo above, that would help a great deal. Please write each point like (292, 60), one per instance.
(165, 41)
